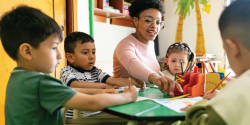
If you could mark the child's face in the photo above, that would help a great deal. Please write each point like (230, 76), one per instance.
(174, 62)
(84, 55)
(47, 56)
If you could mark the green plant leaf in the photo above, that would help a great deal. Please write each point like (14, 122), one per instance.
(192, 4)
(178, 8)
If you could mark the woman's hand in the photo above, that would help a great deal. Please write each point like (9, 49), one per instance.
(164, 83)
(139, 83)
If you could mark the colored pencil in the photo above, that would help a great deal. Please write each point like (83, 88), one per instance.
(178, 97)
(212, 66)
(219, 83)
(205, 66)
(187, 67)
(175, 75)
(192, 66)
(129, 82)
(181, 68)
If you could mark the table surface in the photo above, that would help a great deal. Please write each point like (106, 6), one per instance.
(130, 111)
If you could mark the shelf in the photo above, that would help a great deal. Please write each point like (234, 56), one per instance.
(110, 14)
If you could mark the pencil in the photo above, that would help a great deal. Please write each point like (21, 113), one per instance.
(219, 83)
(192, 66)
(175, 76)
(129, 82)
(212, 66)
(178, 97)
(181, 68)
(187, 67)
(205, 66)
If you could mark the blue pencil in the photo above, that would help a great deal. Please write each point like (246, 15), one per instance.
(189, 67)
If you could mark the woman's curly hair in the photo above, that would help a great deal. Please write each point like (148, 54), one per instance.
(137, 6)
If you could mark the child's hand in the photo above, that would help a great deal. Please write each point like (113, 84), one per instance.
(111, 86)
(209, 96)
(139, 83)
(186, 108)
(133, 93)
(109, 91)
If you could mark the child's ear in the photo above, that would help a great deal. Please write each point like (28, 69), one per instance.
(232, 47)
(135, 20)
(70, 58)
(25, 51)
(166, 59)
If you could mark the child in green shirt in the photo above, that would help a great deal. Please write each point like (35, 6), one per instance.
(31, 38)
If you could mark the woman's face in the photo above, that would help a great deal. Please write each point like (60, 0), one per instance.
(149, 24)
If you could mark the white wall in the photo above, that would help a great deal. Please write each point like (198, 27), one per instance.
(83, 16)
(107, 36)
(213, 42)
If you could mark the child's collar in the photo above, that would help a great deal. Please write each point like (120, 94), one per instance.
(82, 70)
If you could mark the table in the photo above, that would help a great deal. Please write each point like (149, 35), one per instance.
(130, 111)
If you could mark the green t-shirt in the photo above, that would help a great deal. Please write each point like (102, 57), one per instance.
(35, 99)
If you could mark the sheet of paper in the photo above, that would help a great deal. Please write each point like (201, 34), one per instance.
(177, 104)
(155, 86)
(142, 98)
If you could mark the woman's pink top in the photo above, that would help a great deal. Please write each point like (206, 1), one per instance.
(134, 59)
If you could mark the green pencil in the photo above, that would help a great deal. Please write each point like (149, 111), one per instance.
(181, 68)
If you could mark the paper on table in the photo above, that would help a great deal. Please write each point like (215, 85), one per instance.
(122, 88)
(142, 98)
(177, 104)
(155, 86)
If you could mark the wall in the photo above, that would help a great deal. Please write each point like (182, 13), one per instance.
(213, 42)
(107, 37)
(83, 16)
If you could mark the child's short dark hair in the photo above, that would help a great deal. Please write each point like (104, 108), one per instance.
(234, 22)
(73, 38)
(137, 6)
(26, 25)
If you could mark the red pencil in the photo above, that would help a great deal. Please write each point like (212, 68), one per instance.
(205, 66)
(219, 83)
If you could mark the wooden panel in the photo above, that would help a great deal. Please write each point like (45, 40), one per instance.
(117, 4)
(60, 17)
(122, 22)
(71, 15)
(100, 4)
(101, 19)
(6, 63)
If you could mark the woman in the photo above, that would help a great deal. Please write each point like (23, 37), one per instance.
(135, 56)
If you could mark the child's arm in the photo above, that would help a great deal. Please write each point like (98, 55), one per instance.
(209, 96)
(101, 101)
(77, 84)
(124, 82)
(95, 91)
